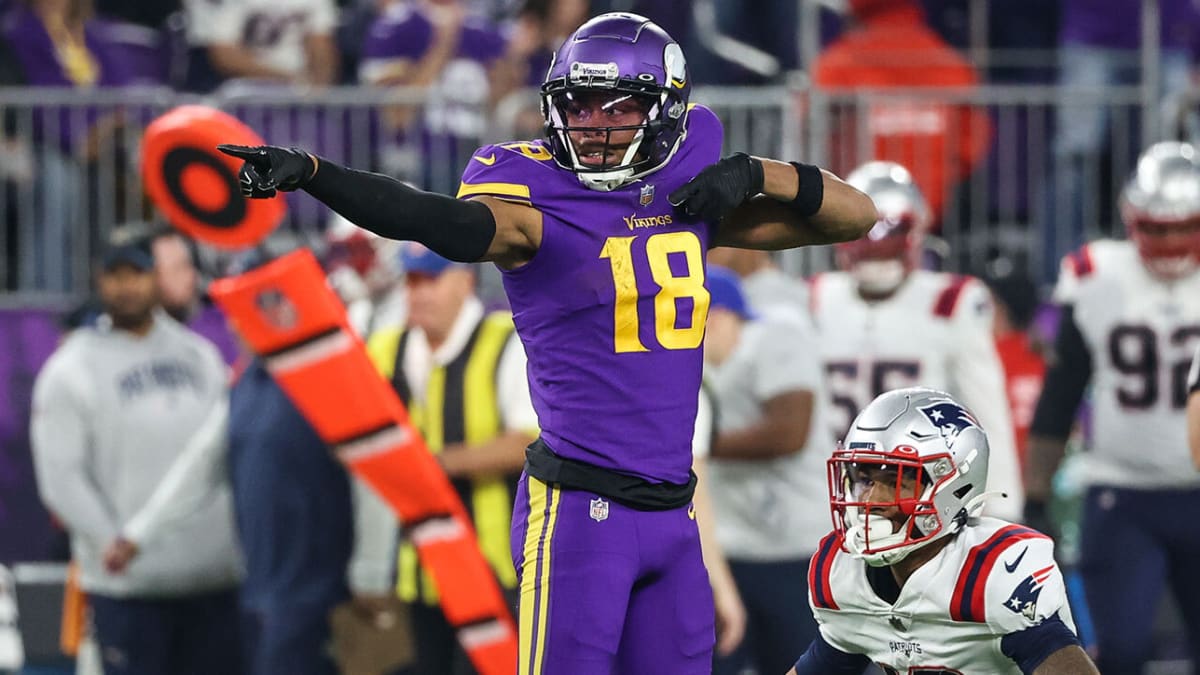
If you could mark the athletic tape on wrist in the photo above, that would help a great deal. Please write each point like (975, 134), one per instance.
(812, 189)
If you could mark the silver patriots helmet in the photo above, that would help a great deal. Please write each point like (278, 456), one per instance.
(938, 455)
(1161, 208)
(881, 260)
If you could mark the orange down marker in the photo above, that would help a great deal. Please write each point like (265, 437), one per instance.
(291, 318)
(196, 186)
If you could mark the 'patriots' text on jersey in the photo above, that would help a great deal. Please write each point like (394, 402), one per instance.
(992, 579)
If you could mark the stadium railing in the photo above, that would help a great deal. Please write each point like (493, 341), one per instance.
(68, 159)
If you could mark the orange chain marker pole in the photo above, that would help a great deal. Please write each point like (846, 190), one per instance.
(286, 313)
(291, 318)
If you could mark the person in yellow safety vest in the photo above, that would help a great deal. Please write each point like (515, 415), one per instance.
(461, 372)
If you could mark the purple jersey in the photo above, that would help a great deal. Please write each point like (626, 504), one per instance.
(41, 66)
(1118, 25)
(459, 96)
(612, 307)
(454, 117)
(40, 60)
(403, 32)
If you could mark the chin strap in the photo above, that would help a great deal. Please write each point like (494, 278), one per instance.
(607, 181)
(881, 530)
(974, 506)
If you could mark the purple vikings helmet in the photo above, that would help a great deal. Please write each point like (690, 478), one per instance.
(630, 59)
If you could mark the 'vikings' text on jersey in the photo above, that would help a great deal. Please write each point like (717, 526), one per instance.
(618, 342)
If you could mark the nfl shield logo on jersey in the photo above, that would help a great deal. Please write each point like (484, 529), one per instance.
(599, 510)
(1024, 598)
(647, 195)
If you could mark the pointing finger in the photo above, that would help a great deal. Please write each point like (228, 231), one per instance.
(254, 155)
(239, 151)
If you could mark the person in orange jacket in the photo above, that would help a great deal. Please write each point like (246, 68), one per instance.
(892, 46)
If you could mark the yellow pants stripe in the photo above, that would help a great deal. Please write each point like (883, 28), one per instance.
(535, 575)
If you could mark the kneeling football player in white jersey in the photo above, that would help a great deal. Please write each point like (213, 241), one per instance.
(912, 578)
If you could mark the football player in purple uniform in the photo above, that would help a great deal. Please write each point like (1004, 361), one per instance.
(600, 230)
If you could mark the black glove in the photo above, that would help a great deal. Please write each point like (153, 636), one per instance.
(720, 187)
(268, 168)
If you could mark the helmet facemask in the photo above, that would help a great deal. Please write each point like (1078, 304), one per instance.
(898, 515)
(932, 456)
(1169, 249)
(599, 153)
(1161, 208)
(616, 58)
(882, 260)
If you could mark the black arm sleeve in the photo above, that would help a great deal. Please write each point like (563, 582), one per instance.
(1066, 381)
(1030, 647)
(459, 230)
(822, 659)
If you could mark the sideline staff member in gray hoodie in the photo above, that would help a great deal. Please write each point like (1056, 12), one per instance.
(112, 409)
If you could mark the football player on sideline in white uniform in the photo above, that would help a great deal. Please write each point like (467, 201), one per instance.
(912, 578)
(1130, 323)
(885, 324)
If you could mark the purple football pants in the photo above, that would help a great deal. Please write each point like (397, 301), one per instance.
(606, 589)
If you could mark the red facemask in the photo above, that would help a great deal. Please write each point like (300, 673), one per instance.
(1169, 249)
(889, 239)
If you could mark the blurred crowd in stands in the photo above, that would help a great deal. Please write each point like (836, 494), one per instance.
(70, 175)
(196, 45)
(468, 56)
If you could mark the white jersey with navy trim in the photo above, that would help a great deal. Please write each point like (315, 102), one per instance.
(1141, 333)
(934, 331)
(1194, 373)
(993, 579)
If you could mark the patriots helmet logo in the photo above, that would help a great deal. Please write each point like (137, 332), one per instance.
(950, 418)
(1024, 598)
